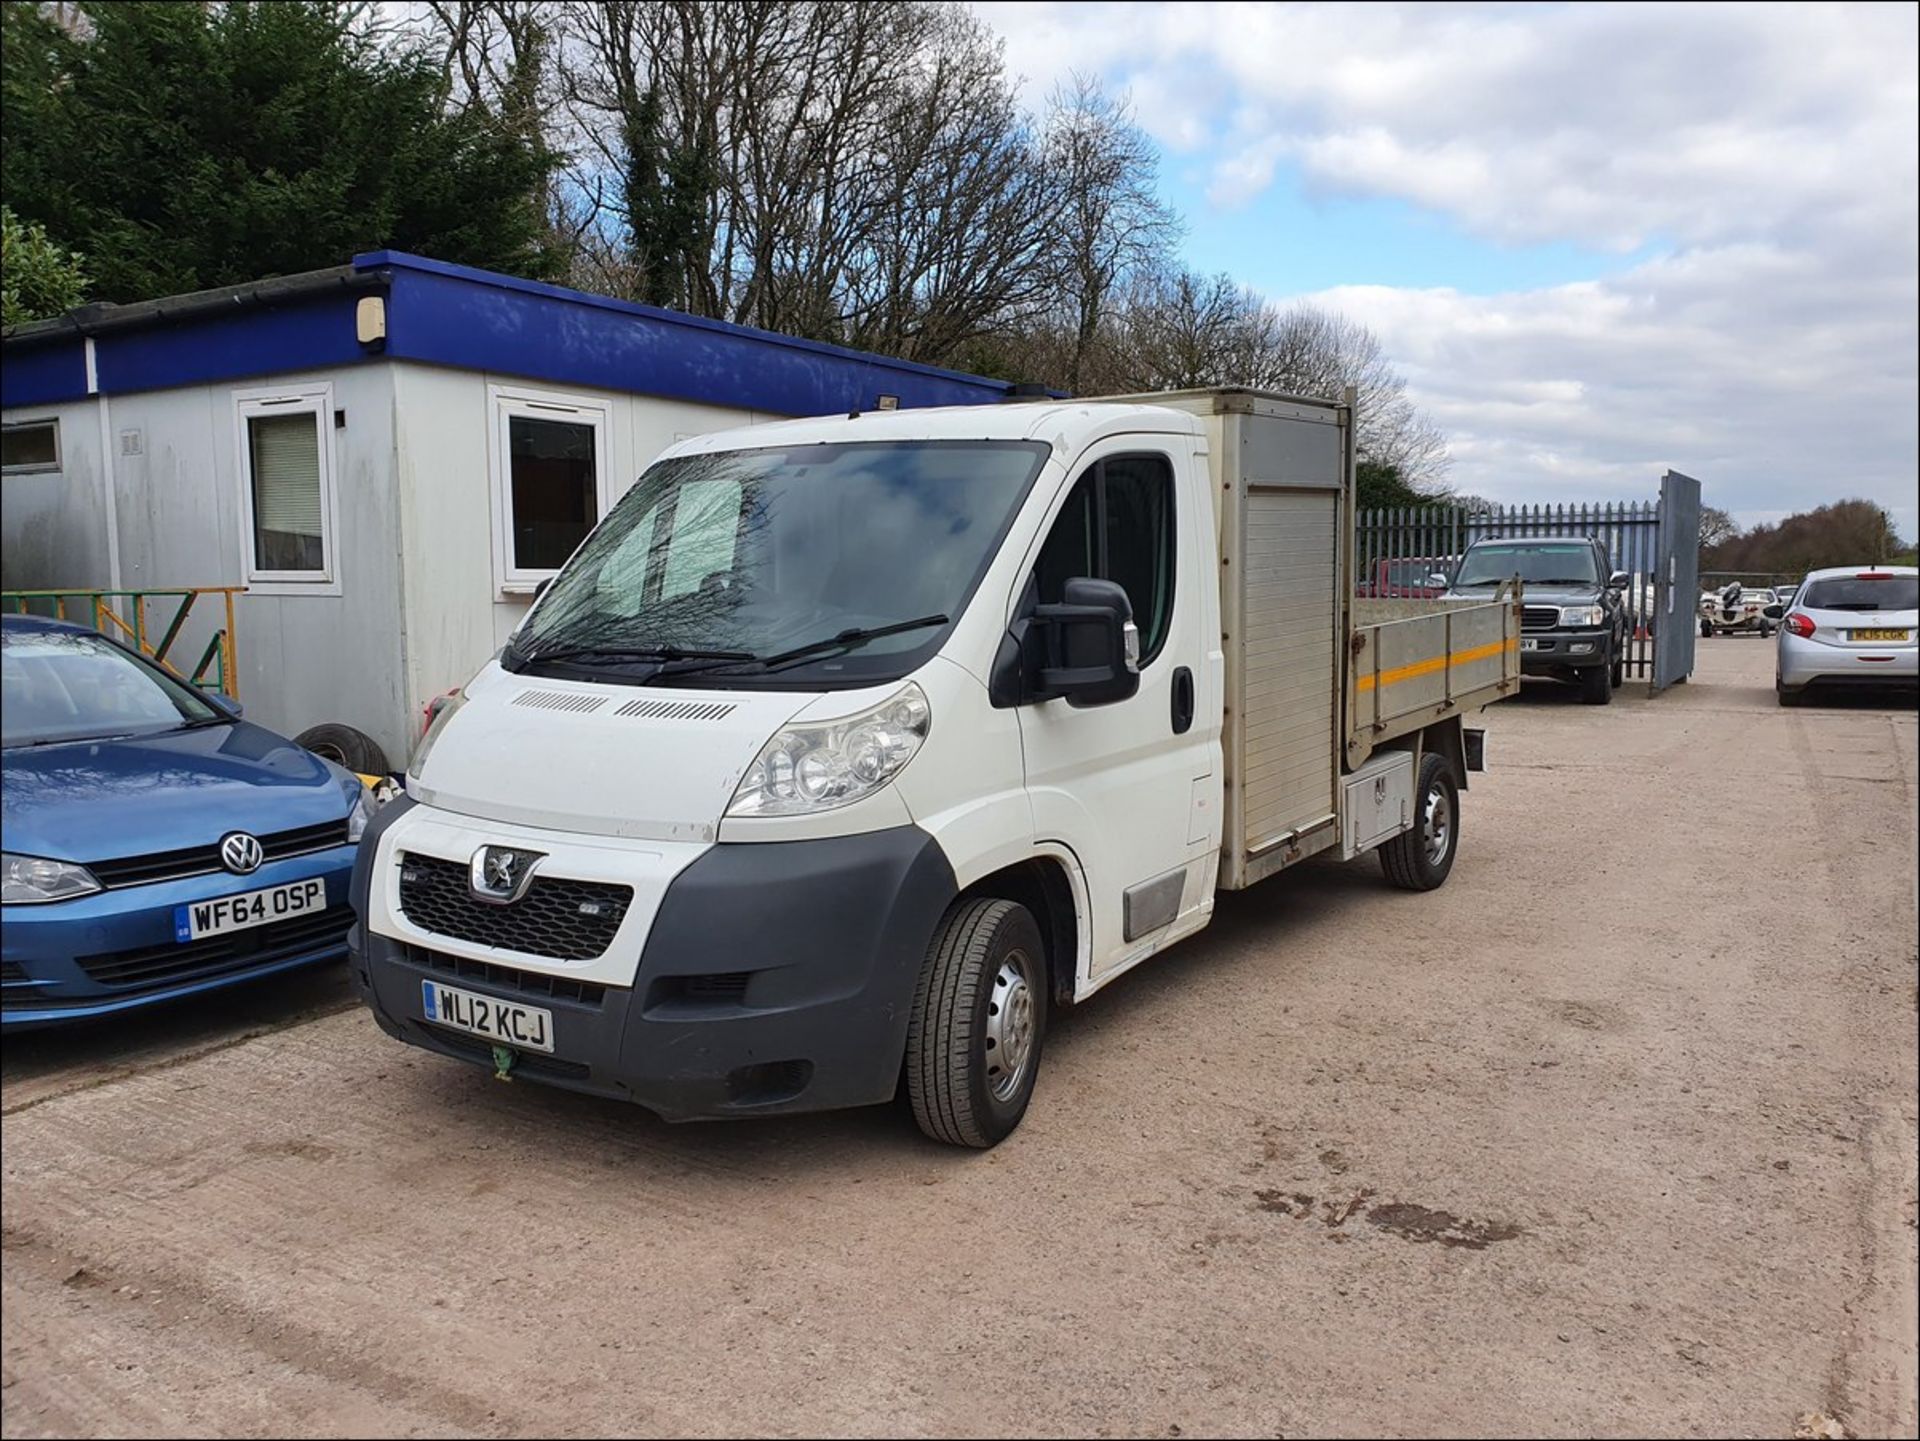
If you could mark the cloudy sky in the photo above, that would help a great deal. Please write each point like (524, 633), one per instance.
(1601, 241)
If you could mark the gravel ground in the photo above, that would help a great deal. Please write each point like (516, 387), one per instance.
(1613, 1134)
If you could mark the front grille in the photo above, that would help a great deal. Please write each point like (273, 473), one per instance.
(535, 984)
(568, 920)
(204, 860)
(152, 967)
(1539, 617)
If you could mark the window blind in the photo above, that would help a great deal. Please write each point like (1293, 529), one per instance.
(286, 490)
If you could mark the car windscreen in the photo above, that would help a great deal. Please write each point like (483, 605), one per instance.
(64, 686)
(1536, 563)
(715, 563)
(1861, 593)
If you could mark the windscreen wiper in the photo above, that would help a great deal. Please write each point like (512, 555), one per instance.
(575, 654)
(849, 639)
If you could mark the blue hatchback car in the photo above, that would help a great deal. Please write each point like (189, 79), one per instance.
(156, 845)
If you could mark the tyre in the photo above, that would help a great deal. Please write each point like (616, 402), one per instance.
(1596, 688)
(978, 1025)
(1766, 629)
(1617, 672)
(1706, 629)
(1419, 859)
(345, 746)
(1789, 695)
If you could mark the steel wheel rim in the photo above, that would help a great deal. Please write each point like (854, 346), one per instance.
(1010, 1025)
(1436, 825)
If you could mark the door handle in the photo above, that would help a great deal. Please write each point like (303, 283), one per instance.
(1182, 701)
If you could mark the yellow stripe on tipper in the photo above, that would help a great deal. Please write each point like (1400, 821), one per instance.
(1439, 662)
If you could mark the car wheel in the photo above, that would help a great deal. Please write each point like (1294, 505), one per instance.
(1595, 687)
(1706, 628)
(345, 746)
(1765, 630)
(1419, 859)
(978, 1024)
(1617, 674)
(1789, 695)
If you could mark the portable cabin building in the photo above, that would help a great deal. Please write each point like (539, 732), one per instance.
(389, 456)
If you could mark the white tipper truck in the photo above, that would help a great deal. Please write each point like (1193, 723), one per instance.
(844, 751)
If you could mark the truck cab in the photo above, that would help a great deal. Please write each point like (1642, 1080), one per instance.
(844, 750)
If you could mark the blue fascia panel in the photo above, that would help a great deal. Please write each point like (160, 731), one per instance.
(270, 340)
(44, 374)
(449, 315)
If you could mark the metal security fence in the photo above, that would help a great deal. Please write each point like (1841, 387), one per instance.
(1402, 551)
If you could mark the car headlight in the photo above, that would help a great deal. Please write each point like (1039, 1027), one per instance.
(1583, 615)
(442, 713)
(31, 881)
(819, 765)
(358, 817)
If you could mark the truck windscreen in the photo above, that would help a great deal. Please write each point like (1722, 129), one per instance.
(714, 561)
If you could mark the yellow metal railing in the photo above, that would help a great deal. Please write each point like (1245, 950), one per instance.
(129, 618)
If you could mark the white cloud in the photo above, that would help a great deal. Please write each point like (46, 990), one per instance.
(1769, 150)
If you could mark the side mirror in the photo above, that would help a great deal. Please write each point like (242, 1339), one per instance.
(225, 702)
(1619, 580)
(1085, 649)
(1438, 580)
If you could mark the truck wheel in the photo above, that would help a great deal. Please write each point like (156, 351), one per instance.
(345, 746)
(1617, 673)
(979, 1019)
(1595, 686)
(1419, 859)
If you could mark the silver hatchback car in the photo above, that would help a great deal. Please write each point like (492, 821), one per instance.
(1850, 625)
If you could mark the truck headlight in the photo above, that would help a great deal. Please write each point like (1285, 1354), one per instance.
(443, 711)
(31, 881)
(820, 765)
(1583, 615)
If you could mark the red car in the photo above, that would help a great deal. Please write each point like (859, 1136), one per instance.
(1405, 578)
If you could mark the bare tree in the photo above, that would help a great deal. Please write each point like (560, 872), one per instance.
(1110, 224)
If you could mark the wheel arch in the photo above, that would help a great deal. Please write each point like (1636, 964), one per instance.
(1050, 886)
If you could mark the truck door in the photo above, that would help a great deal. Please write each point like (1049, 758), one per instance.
(1132, 787)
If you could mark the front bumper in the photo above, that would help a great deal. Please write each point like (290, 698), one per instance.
(773, 977)
(1550, 652)
(1805, 662)
(54, 953)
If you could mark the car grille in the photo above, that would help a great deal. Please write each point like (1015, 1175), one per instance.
(534, 984)
(1539, 617)
(204, 860)
(152, 967)
(568, 920)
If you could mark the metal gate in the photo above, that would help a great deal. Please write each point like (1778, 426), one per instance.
(1677, 600)
(1399, 549)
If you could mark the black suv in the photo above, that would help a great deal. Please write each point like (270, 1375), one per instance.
(1573, 621)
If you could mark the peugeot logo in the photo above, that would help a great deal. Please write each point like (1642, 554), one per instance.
(241, 853)
(501, 874)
